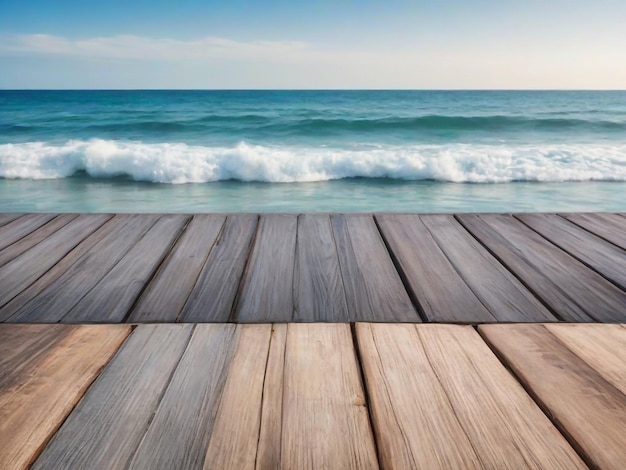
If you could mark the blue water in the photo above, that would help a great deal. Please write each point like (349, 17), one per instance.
(427, 151)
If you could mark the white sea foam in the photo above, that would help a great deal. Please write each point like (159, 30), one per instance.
(181, 163)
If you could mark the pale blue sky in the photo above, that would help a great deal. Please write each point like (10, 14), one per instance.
(316, 44)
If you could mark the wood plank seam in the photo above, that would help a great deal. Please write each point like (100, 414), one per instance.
(586, 229)
(232, 317)
(343, 282)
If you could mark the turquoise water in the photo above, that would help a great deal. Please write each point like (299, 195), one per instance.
(427, 151)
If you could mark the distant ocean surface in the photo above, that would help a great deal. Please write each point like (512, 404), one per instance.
(208, 151)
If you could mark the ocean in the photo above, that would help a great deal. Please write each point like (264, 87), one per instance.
(330, 151)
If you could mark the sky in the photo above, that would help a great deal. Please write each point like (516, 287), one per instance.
(318, 44)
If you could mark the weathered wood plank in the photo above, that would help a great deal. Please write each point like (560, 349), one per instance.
(22, 271)
(499, 290)
(108, 424)
(47, 371)
(587, 408)
(267, 291)
(11, 252)
(235, 436)
(179, 433)
(571, 289)
(319, 292)
(6, 218)
(110, 299)
(611, 227)
(53, 302)
(325, 421)
(374, 290)
(603, 257)
(19, 228)
(213, 296)
(165, 296)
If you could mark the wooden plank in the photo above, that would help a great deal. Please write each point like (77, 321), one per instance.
(179, 433)
(588, 409)
(319, 292)
(213, 296)
(571, 289)
(267, 291)
(53, 302)
(603, 257)
(499, 290)
(50, 368)
(6, 218)
(611, 227)
(21, 272)
(374, 290)
(108, 424)
(325, 421)
(19, 228)
(111, 299)
(165, 296)
(30, 240)
(235, 436)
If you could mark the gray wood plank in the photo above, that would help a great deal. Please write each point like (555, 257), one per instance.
(596, 253)
(572, 290)
(112, 298)
(318, 286)
(178, 435)
(6, 218)
(439, 289)
(267, 291)
(105, 429)
(53, 302)
(30, 240)
(499, 290)
(611, 227)
(213, 296)
(165, 296)
(19, 228)
(21, 272)
(374, 290)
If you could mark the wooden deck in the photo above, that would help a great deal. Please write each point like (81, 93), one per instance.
(248, 268)
(312, 396)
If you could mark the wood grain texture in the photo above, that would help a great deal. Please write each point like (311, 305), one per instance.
(319, 292)
(19, 228)
(374, 290)
(587, 408)
(22, 271)
(325, 421)
(267, 291)
(213, 296)
(44, 371)
(112, 297)
(54, 301)
(108, 424)
(571, 289)
(30, 240)
(235, 436)
(179, 433)
(165, 296)
(603, 257)
(611, 227)
(6, 218)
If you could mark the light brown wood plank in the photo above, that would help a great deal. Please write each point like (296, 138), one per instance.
(603, 257)
(30, 240)
(588, 408)
(19, 228)
(6, 218)
(571, 289)
(108, 424)
(111, 299)
(21, 272)
(374, 290)
(165, 296)
(611, 227)
(267, 291)
(213, 296)
(49, 370)
(235, 436)
(325, 421)
(319, 292)
(179, 433)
